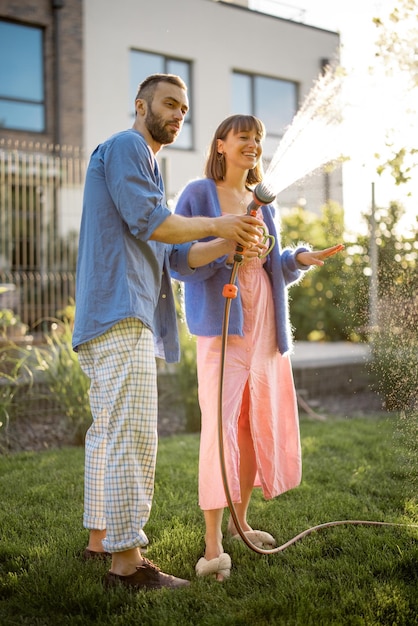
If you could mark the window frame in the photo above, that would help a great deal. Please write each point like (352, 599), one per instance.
(166, 60)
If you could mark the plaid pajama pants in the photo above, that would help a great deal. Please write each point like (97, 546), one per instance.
(121, 443)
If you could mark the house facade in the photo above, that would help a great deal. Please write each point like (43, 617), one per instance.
(69, 71)
(233, 59)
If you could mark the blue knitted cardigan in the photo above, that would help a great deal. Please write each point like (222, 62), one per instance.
(204, 302)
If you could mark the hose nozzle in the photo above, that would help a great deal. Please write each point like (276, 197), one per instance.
(261, 195)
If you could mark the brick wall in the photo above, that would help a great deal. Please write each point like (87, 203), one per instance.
(68, 89)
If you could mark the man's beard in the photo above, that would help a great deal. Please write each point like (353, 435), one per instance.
(156, 128)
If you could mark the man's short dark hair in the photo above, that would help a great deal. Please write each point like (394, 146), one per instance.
(147, 88)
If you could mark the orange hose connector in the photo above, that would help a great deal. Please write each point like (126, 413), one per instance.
(230, 291)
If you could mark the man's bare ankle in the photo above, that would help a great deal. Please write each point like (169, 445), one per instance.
(95, 540)
(125, 563)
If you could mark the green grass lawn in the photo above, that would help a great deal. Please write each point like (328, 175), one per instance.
(356, 575)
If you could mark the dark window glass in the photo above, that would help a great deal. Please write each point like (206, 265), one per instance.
(272, 100)
(22, 104)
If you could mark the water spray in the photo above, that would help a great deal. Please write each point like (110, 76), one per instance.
(314, 136)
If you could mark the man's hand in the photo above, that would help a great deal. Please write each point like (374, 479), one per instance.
(316, 257)
(242, 229)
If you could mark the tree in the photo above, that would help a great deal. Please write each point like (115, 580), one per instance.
(395, 341)
(396, 57)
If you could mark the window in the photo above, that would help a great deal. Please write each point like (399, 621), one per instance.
(142, 64)
(272, 100)
(22, 105)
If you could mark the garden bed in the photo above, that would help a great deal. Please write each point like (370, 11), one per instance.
(44, 429)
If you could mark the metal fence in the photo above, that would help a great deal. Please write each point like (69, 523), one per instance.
(40, 210)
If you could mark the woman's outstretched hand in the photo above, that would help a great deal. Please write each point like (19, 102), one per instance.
(316, 257)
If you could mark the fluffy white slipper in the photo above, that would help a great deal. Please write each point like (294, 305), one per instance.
(259, 538)
(220, 565)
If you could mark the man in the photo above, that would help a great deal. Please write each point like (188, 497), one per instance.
(125, 316)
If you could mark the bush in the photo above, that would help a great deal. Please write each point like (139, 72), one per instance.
(330, 303)
(187, 368)
(15, 370)
(395, 352)
(57, 364)
(7, 393)
(11, 325)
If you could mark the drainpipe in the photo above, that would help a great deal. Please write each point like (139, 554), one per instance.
(56, 6)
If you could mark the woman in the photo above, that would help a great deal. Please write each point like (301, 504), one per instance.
(260, 419)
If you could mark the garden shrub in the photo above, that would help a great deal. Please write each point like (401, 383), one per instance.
(57, 364)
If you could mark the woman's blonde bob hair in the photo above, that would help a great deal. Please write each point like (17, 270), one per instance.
(215, 167)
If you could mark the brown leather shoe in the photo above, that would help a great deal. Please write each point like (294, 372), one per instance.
(147, 576)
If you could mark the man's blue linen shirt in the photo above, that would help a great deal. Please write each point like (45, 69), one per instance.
(121, 273)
